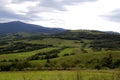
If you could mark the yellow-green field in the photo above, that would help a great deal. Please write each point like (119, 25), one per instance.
(61, 75)
(23, 55)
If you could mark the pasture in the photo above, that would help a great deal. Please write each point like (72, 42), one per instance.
(61, 75)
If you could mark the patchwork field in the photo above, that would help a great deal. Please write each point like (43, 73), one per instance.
(32, 52)
(83, 49)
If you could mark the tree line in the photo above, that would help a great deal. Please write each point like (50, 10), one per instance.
(106, 62)
(22, 47)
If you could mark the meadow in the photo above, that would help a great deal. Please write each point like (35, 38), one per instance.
(63, 54)
(61, 75)
(67, 56)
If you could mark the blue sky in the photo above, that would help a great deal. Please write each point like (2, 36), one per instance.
(69, 14)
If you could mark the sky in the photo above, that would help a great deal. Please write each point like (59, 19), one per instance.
(103, 15)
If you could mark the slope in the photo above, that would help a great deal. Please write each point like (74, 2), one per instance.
(70, 49)
(17, 26)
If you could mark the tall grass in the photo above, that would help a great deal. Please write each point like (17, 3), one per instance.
(61, 75)
(78, 75)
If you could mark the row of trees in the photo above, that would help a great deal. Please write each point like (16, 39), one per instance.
(108, 41)
(91, 35)
(47, 55)
(15, 66)
(106, 44)
(22, 47)
(105, 62)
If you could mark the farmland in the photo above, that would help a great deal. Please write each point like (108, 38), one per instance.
(33, 52)
(66, 50)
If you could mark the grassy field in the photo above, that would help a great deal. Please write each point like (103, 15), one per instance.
(23, 55)
(54, 41)
(61, 75)
(58, 43)
(72, 49)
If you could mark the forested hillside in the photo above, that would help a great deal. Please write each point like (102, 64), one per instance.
(72, 49)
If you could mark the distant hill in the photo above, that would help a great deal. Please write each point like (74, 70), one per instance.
(88, 34)
(17, 26)
(70, 49)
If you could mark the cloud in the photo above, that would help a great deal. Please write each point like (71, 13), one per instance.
(60, 5)
(73, 14)
(52, 4)
(4, 11)
(113, 15)
(27, 9)
(71, 2)
(21, 1)
(8, 14)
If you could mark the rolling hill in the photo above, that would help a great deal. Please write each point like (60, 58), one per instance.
(70, 49)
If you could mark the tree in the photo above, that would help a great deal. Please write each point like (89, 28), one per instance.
(107, 61)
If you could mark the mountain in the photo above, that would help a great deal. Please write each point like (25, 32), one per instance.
(17, 26)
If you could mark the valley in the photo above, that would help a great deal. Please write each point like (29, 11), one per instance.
(66, 55)
(82, 49)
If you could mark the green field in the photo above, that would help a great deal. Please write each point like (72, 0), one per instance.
(83, 49)
(54, 55)
(23, 55)
(61, 75)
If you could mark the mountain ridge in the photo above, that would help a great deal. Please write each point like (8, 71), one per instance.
(18, 26)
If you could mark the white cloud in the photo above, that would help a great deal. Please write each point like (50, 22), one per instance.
(69, 14)
(82, 16)
(21, 8)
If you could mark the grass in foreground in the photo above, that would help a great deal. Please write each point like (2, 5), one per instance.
(61, 75)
